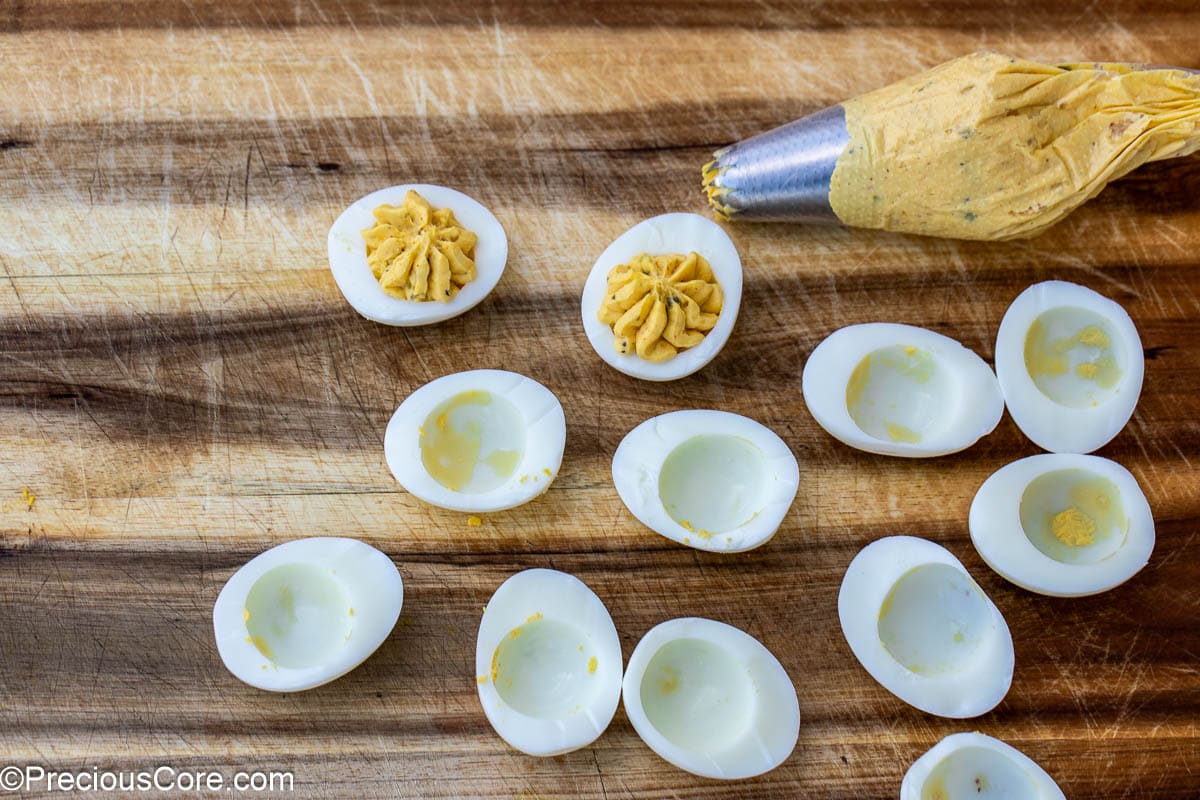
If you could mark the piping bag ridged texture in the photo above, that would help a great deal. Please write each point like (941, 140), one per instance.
(993, 147)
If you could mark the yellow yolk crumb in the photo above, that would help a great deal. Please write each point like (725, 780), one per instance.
(352, 612)
(1093, 337)
(262, 646)
(1073, 527)
(592, 665)
(474, 521)
(659, 305)
(899, 433)
(669, 681)
(686, 525)
(534, 617)
(417, 252)
(245, 615)
(481, 679)
(546, 470)
(28, 497)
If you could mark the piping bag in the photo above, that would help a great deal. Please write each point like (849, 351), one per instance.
(982, 147)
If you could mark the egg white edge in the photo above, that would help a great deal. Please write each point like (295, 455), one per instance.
(375, 615)
(546, 431)
(918, 773)
(780, 692)
(561, 597)
(834, 360)
(1001, 542)
(637, 481)
(1049, 425)
(868, 580)
(348, 257)
(654, 236)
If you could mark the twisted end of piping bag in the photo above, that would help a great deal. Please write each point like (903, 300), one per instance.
(986, 146)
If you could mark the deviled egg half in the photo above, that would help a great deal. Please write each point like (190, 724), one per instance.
(708, 479)
(662, 299)
(306, 612)
(899, 390)
(1063, 524)
(409, 264)
(1070, 365)
(924, 629)
(547, 663)
(477, 441)
(973, 766)
(711, 699)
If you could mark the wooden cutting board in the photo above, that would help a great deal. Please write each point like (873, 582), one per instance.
(183, 385)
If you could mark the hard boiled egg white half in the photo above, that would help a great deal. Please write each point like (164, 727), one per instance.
(972, 766)
(306, 612)
(666, 233)
(924, 629)
(709, 479)
(900, 391)
(547, 663)
(711, 699)
(348, 257)
(477, 441)
(1070, 364)
(1063, 524)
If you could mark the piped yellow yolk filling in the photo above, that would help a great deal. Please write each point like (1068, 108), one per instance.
(417, 252)
(714, 193)
(660, 305)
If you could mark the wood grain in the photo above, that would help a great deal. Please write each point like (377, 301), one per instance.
(182, 386)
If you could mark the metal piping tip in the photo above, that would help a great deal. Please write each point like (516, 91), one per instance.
(783, 174)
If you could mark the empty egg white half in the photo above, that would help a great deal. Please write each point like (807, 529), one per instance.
(666, 233)
(901, 391)
(711, 699)
(477, 441)
(921, 626)
(348, 257)
(1063, 524)
(306, 612)
(972, 766)
(1070, 365)
(708, 479)
(547, 663)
